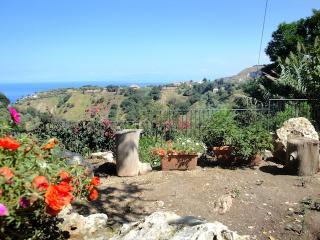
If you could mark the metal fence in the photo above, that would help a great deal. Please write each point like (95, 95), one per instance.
(290, 108)
(159, 123)
(191, 123)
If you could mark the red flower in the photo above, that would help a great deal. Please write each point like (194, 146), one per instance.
(159, 151)
(93, 195)
(9, 143)
(40, 182)
(65, 187)
(58, 196)
(6, 172)
(64, 176)
(50, 145)
(95, 181)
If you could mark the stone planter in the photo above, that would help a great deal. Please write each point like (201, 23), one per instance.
(126, 152)
(179, 162)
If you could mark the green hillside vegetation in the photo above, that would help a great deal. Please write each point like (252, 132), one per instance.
(133, 104)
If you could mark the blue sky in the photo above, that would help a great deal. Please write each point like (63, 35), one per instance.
(137, 40)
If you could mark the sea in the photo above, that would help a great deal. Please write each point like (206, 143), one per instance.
(15, 91)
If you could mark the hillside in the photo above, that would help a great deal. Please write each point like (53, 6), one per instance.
(132, 103)
(246, 74)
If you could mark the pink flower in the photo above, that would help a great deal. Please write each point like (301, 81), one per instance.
(3, 210)
(15, 115)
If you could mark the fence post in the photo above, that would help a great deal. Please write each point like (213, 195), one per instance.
(269, 114)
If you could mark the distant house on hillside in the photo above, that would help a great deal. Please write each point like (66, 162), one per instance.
(92, 91)
(215, 90)
(135, 86)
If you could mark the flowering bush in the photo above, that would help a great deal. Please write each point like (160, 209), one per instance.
(35, 184)
(9, 119)
(180, 145)
(82, 137)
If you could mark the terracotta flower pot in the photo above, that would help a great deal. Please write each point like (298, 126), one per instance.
(179, 162)
(222, 153)
(256, 160)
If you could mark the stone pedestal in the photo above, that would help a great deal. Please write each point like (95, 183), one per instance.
(127, 155)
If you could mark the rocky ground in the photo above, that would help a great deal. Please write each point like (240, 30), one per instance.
(263, 202)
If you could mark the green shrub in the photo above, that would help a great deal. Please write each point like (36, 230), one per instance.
(63, 100)
(146, 144)
(4, 101)
(251, 140)
(290, 111)
(220, 129)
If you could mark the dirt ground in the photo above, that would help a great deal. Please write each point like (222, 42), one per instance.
(265, 201)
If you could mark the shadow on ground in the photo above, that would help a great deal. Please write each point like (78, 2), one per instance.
(211, 162)
(105, 169)
(275, 170)
(122, 205)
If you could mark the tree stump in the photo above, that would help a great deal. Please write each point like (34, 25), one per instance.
(127, 155)
(302, 156)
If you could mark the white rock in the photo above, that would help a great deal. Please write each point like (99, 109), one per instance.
(160, 203)
(107, 156)
(168, 225)
(223, 204)
(144, 168)
(295, 127)
(92, 227)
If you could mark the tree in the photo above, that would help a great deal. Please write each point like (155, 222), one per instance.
(301, 72)
(4, 100)
(155, 93)
(285, 38)
(285, 50)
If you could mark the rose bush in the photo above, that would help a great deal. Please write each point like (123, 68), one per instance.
(35, 183)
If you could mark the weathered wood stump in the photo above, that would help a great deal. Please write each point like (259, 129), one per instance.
(302, 156)
(127, 155)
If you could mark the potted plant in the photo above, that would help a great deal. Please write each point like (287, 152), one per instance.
(218, 133)
(249, 142)
(179, 154)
